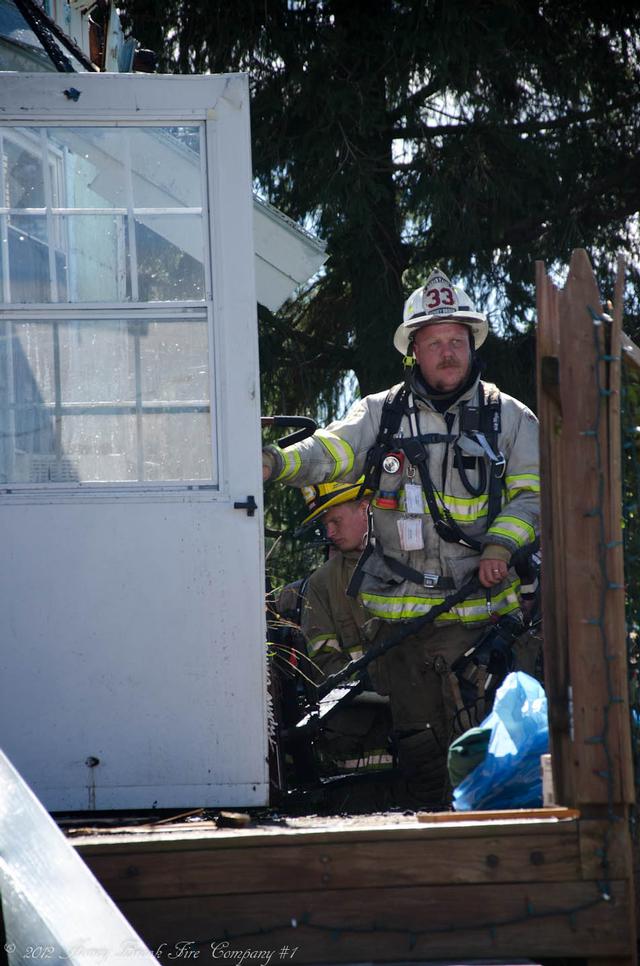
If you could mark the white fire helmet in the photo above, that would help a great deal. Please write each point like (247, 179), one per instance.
(435, 302)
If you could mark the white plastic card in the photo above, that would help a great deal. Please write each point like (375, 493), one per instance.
(410, 531)
(413, 497)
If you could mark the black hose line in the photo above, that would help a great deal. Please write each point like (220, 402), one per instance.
(412, 626)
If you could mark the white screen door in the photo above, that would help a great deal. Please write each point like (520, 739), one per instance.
(133, 661)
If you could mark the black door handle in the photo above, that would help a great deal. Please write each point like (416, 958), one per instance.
(249, 505)
(308, 425)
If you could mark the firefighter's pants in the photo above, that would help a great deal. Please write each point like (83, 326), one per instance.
(416, 675)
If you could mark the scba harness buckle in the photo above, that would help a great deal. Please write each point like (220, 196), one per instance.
(500, 466)
(430, 580)
(497, 460)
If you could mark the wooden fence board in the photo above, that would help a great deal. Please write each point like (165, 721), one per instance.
(594, 767)
(581, 473)
(615, 428)
(556, 657)
(398, 828)
(615, 616)
(489, 815)
(318, 867)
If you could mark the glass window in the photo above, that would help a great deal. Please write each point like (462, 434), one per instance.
(105, 401)
(106, 214)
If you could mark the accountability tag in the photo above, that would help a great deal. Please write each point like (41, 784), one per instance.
(410, 531)
(413, 497)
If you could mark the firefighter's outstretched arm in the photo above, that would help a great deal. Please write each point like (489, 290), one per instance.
(336, 453)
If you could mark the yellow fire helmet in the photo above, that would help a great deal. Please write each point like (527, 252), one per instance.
(320, 496)
(438, 301)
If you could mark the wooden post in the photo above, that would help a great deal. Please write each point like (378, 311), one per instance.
(556, 658)
(583, 597)
(615, 426)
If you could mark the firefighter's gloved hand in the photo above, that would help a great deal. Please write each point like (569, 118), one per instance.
(494, 649)
(495, 656)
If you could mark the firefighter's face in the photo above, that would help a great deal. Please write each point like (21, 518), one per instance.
(346, 525)
(443, 353)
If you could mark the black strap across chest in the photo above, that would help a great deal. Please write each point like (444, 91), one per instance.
(481, 423)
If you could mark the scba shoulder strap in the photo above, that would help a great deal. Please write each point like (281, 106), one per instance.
(393, 409)
(481, 423)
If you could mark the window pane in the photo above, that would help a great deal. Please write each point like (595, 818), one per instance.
(104, 214)
(23, 167)
(99, 447)
(32, 368)
(94, 165)
(97, 363)
(95, 260)
(174, 362)
(29, 268)
(165, 165)
(105, 401)
(170, 258)
(177, 447)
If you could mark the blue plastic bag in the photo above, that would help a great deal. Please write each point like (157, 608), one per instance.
(510, 775)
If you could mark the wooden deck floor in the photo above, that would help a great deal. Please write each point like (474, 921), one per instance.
(376, 889)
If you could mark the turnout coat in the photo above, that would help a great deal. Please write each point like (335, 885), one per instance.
(457, 464)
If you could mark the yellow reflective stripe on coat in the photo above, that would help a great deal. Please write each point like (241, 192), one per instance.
(322, 643)
(470, 611)
(513, 528)
(398, 608)
(370, 761)
(340, 452)
(474, 609)
(461, 509)
(291, 459)
(522, 483)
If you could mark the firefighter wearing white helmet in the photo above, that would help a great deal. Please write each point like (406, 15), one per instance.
(453, 463)
(434, 303)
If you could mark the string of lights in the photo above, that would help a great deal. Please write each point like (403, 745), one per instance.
(413, 935)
